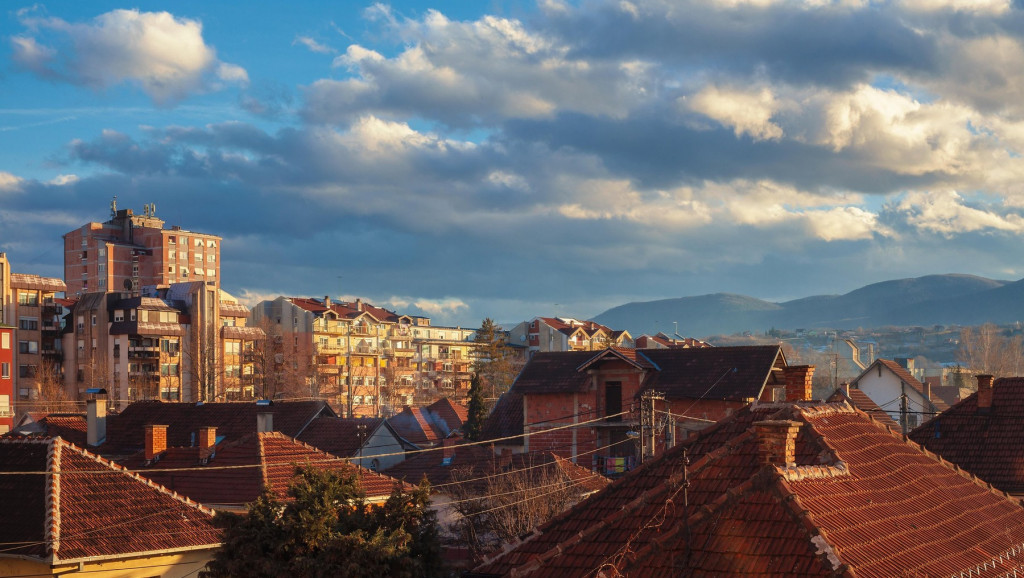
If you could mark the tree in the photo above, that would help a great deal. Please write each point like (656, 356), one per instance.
(988, 350)
(327, 529)
(477, 410)
(53, 397)
(495, 362)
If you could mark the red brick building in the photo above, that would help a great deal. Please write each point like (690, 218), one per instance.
(586, 405)
(6, 378)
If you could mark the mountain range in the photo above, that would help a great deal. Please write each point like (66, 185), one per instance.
(923, 301)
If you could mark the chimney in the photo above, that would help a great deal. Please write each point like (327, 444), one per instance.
(776, 442)
(265, 422)
(798, 382)
(984, 393)
(327, 301)
(448, 451)
(156, 440)
(96, 421)
(927, 389)
(207, 441)
(359, 304)
(846, 388)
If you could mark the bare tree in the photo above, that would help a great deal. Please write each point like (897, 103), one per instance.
(506, 505)
(989, 349)
(53, 397)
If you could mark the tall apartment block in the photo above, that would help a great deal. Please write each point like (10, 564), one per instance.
(31, 305)
(6, 378)
(131, 251)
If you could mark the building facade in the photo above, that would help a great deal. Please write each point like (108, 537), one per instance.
(130, 251)
(6, 378)
(566, 334)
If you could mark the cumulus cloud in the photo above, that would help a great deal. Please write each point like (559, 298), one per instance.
(948, 214)
(745, 112)
(9, 182)
(163, 55)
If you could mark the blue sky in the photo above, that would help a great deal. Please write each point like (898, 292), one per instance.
(513, 159)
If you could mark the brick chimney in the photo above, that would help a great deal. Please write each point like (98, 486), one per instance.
(95, 421)
(265, 422)
(927, 390)
(776, 442)
(359, 304)
(207, 441)
(327, 301)
(984, 393)
(156, 440)
(798, 382)
(448, 445)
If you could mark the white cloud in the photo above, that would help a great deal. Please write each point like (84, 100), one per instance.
(313, 45)
(164, 55)
(945, 212)
(9, 182)
(746, 112)
(61, 180)
(446, 306)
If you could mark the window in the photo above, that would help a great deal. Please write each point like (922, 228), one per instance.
(199, 258)
(232, 370)
(132, 314)
(94, 320)
(118, 315)
(211, 243)
(170, 269)
(211, 273)
(232, 347)
(81, 345)
(28, 298)
(171, 240)
(26, 371)
(28, 347)
(29, 323)
(5, 340)
(199, 242)
(184, 272)
(210, 258)
(81, 322)
(5, 370)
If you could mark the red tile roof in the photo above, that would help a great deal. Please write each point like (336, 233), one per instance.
(414, 425)
(233, 420)
(451, 414)
(339, 435)
(860, 400)
(859, 501)
(92, 509)
(505, 419)
(989, 445)
(240, 470)
(906, 377)
(72, 427)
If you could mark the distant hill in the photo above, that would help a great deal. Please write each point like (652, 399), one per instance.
(930, 300)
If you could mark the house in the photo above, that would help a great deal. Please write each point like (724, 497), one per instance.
(894, 389)
(566, 334)
(858, 399)
(447, 414)
(72, 427)
(982, 433)
(124, 434)
(664, 341)
(418, 426)
(94, 518)
(783, 489)
(586, 404)
(230, 475)
(369, 442)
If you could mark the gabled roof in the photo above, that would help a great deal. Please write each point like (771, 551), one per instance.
(723, 373)
(238, 472)
(633, 357)
(340, 435)
(860, 501)
(905, 376)
(415, 425)
(72, 427)
(861, 401)
(450, 414)
(476, 469)
(988, 445)
(93, 509)
(506, 418)
(233, 420)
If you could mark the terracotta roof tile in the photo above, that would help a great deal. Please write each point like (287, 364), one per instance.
(859, 500)
(233, 420)
(989, 445)
(506, 418)
(415, 425)
(92, 509)
(69, 426)
(239, 471)
(860, 400)
(452, 414)
(339, 435)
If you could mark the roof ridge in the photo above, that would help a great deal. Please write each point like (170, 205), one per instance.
(52, 520)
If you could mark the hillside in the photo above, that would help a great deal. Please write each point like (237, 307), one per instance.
(930, 300)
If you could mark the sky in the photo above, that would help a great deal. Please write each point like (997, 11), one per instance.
(512, 159)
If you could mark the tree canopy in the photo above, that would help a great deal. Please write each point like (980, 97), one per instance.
(327, 529)
(477, 410)
(495, 362)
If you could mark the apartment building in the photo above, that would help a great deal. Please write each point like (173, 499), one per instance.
(32, 306)
(566, 334)
(184, 342)
(366, 359)
(130, 251)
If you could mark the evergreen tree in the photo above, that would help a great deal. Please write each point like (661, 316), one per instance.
(327, 529)
(495, 362)
(477, 410)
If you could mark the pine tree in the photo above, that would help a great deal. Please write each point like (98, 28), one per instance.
(477, 410)
(327, 529)
(495, 361)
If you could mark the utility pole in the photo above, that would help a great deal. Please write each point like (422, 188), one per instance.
(648, 423)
